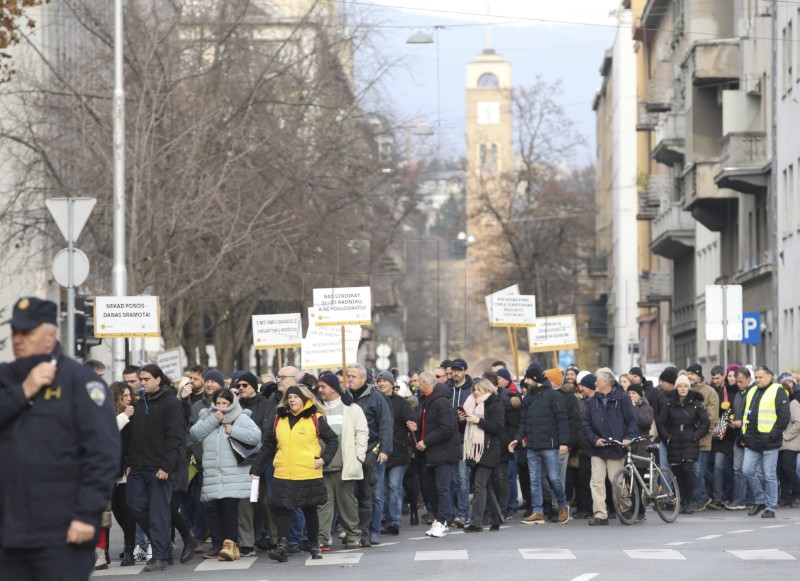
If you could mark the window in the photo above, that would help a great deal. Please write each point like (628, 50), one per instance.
(787, 54)
(488, 81)
(489, 158)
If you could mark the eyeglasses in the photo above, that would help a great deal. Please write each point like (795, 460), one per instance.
(282, 377)
(243, 385)
(440, 376)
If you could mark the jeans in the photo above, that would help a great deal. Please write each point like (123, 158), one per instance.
(394, 494)
(700, 467)
(722, 474)
(739, 481)
(460, 489)
(548, 458)
(298, 528)
(662, 456)
(377, 499)
(766, 492)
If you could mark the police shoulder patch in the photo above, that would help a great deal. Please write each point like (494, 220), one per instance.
(97, 392)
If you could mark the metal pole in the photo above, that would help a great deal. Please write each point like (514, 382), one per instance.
(773, 194)
(725, 326)
(438, 102)
(70, 350)
(119, 270)
(442, 339)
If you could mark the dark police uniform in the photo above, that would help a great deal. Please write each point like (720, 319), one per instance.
(59, 455)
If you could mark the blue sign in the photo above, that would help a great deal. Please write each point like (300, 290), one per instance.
(566, 359)
(751, 328)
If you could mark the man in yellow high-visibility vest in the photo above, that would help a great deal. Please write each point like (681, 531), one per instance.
(766, 415)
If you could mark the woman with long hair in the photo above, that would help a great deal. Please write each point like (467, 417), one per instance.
(292, 443)
(123, 408)
(682, 422)
(484, 415)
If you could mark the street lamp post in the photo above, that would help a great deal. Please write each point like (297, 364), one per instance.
(420, 37)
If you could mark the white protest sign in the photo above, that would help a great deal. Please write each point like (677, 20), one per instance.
(322, 346)
(343, 306)
(277, 331)
(171, 363)
(511, 290)
(513, 311)
(552, 333)
(127, 317)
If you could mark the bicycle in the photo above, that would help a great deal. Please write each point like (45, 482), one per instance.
(658, 485)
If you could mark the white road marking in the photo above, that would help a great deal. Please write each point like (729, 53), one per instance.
(417, 538)
(211, 565)
(678, 543)
(741, 531)
(659, 554)
(763, 555)
(546, 554)
(775, 526)
(708, 537)
(335, 559)
(585, 577)
(114, 569)
(441, 556)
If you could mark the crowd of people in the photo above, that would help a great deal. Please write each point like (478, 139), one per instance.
(301, 462)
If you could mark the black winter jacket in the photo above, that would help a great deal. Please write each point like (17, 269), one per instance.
(682, 425)
(573, 418)
(512, 419)
(379, 417)
(543, 420)
(402, 412)
(158, 430)
(258, 409)
(438, 428)
(492, 423)
(457, 397)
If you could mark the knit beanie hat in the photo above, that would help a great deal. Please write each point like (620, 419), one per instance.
(554, 375)
(669, 375)
(637, 388)
(215, 375)
(589, 381)
(504, 373)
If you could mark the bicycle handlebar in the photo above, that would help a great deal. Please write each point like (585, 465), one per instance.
(611, 441)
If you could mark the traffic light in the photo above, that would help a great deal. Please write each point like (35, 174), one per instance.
(84, 326)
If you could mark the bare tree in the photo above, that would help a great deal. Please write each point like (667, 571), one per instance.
(13, 20)
(247, 154)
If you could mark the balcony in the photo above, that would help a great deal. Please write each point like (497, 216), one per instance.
(712, 61)
(669, 144)
(672, 231)
(709, 204)
(659, 95)
(597, 266)
(654, 287)
(648, 207)
(744, 162)
(645, 120)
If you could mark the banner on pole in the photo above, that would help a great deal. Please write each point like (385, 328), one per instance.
(343, 306)
(281, 331)
(171, 363)
(553, 333)
(322, 346)
(138, 316)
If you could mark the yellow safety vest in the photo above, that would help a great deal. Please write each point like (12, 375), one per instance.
(767, 416)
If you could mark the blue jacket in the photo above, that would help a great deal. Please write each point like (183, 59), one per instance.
(60, 453)
(612, 416)
(376, 408)
(222, 475)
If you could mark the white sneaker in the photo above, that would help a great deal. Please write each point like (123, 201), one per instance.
(439, 531)
(429, 532)
(149, 552)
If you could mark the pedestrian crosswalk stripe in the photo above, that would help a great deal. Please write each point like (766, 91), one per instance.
(546, 554)
(441, 556)
(211, 565)
(678, 543)
(775, 527)
(418, 538)
(333, 559)
(740, 531)
(708, 537)
(114, 569)
(763, 555)
(658, 554)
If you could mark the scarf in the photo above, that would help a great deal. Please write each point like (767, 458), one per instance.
(474, 437)
(230, 413)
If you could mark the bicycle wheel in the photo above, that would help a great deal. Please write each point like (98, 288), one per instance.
(625, 494)
(667, 499)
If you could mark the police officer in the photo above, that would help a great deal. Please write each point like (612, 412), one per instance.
(60, 450)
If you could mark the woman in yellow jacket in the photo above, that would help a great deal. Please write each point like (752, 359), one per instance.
(293, 444)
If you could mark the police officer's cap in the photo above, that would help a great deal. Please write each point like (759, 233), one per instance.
(30, 312)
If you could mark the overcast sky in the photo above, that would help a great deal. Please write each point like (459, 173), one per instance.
(563, 40)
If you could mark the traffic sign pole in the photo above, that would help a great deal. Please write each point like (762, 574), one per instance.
(70, 283)
(725, 326)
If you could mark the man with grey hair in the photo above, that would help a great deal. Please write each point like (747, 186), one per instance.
(369, 491)
(609, 415)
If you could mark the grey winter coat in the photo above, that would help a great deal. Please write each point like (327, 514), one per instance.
(222, 475)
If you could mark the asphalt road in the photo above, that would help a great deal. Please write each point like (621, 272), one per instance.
(712, 544)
